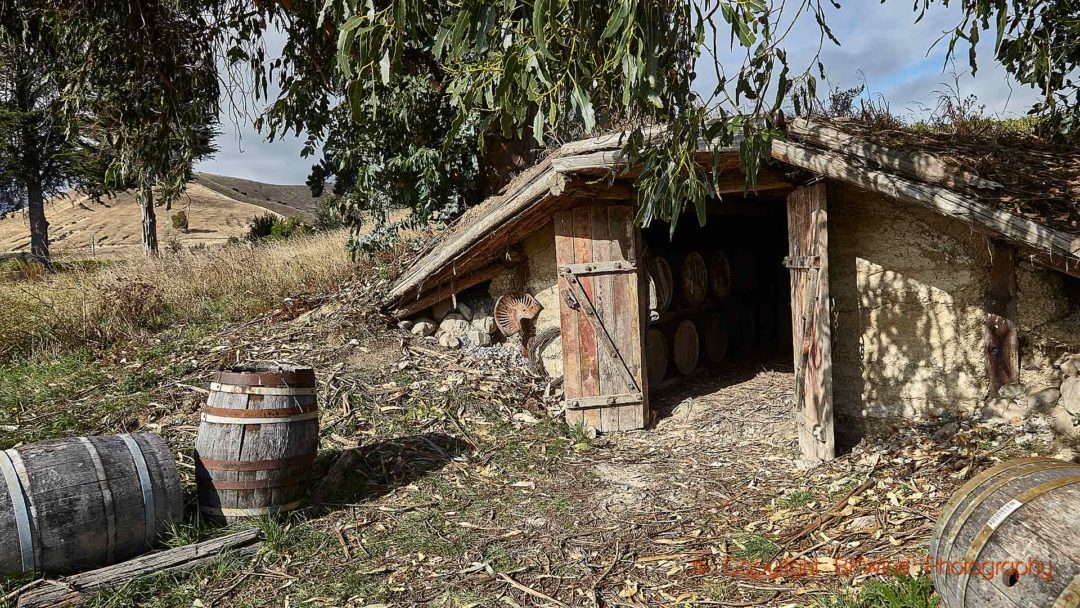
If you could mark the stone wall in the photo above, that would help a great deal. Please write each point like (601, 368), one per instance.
(909, 290)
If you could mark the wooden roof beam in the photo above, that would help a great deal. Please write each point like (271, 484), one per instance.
(1052, 244)
(921, 165)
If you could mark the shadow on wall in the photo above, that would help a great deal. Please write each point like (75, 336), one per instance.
(908, 289)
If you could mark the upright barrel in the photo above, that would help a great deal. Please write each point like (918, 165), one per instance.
(257, 441)
(1010, 537)
(85, 502)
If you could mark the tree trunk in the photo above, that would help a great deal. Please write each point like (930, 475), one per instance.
(39, 226)
(149, 221)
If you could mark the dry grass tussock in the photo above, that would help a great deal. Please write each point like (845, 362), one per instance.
(95, 306)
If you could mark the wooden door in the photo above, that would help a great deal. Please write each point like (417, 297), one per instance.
(808, 249)
(597, 249)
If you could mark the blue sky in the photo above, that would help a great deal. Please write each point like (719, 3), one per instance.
(882, 47)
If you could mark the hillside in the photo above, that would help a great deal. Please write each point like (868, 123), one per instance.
(218, 208)
(286, 200)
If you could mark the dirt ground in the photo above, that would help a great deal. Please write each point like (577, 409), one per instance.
(460, 486)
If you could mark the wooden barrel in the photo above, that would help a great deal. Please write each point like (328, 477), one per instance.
(660, 284)
(694, 279)
(257, 441)
(1010, 537)
(656, 356)
(714, 337)
(685, 347)
(719, 274)
(85, 502)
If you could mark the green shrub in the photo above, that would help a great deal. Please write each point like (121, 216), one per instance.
(180, 221)
(271, 227)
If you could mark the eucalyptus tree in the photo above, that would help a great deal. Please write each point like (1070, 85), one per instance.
(145, 90)
(547, 67)
(39, 154)
(1036, 41)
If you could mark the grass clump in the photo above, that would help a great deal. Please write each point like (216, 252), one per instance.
(795, 499)
(895, 592)
(755, 547)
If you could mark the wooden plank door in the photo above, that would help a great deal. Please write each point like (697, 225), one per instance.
(808, 248)
(597, 249)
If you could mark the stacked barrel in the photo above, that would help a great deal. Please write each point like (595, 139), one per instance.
(700, 309)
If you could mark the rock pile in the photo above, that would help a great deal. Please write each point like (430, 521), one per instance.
(1042, 412)
(465, 321)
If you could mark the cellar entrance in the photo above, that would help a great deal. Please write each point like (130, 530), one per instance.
(719, 299)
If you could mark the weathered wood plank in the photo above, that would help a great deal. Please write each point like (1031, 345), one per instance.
(587, 346)
(80, 587)
(630, 310)
(811, 322)
(444, 291)
(568, 317)
(604, 289)
(921, 165)
(996, 222)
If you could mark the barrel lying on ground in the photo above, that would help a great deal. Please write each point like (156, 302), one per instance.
(1010, 538)
(257, 441)
(80, 503)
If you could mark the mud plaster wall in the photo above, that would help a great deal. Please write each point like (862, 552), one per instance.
(908, 287)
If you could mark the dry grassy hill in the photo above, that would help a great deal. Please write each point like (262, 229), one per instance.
(286, 200)
(218, 208)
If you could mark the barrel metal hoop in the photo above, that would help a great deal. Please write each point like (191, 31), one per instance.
(22, 514)
(106, 498)
(255, 465)
(254, 484)
(252, 512)
(1070, 596)
(237, 389)
(229, 412)
(1022, 465)
(298, 377)
(267, 420)
(149, 517)
(958, 497)
(984, 535)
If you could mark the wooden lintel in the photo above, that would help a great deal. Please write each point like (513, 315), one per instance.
(1002, 346)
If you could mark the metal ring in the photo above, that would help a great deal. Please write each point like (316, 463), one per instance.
(106, 499)
(18, 503)
(252, 512)
(149, 515)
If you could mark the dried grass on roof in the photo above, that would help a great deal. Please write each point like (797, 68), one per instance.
(1040, 177)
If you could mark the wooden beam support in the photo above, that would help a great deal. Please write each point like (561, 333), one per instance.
(996, 222)
(1002, 346)
(921, 165)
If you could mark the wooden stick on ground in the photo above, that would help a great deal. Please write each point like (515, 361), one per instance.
(72, 589)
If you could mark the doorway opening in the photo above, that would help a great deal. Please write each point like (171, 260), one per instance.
(719, 299)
